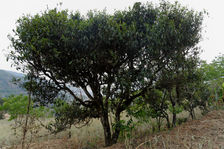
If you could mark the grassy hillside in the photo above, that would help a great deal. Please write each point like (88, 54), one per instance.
(6, 86)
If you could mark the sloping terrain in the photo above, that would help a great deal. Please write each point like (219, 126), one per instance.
(204, 133)
(6, 86)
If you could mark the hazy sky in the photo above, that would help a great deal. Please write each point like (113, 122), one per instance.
(11, 10)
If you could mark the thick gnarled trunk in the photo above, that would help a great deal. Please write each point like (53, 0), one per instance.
(106, 127)
(110, 139)
(117, 128)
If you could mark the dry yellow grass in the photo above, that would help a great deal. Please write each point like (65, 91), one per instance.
(203, 133)
(88, 135)
(6, 133)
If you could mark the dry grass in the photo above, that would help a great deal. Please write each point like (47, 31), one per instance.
(204, 133)
(91, 136)
(6, 133)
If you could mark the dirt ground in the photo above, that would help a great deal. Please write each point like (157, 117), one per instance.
(204, 133)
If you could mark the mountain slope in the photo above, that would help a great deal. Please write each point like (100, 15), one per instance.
(6, 86)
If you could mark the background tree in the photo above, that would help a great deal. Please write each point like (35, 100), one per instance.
(195, 92)
(113, 59)
(214, 76)
(176, 76)
(16, 107)
(158, 105)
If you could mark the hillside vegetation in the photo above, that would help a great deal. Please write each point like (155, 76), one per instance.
(6, 86)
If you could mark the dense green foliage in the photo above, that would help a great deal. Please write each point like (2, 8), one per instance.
(215, 69)
(214, 75)
(114, 59)
(16, 107)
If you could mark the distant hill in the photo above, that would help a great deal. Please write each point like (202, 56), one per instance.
(6, 86)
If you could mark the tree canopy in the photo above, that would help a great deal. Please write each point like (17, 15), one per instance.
(112, 58)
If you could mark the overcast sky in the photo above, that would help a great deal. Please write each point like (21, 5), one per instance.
(11, 10)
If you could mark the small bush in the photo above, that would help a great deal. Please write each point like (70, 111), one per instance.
(181, 120)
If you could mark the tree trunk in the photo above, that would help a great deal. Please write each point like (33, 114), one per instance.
(168, 121)
(117, 128)
(25, 128)
(106, 127)
(110, 139)
(174, 111)
(192, 113)
(70, 132)
(174, 118)
(192, 116)
(159, 123)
